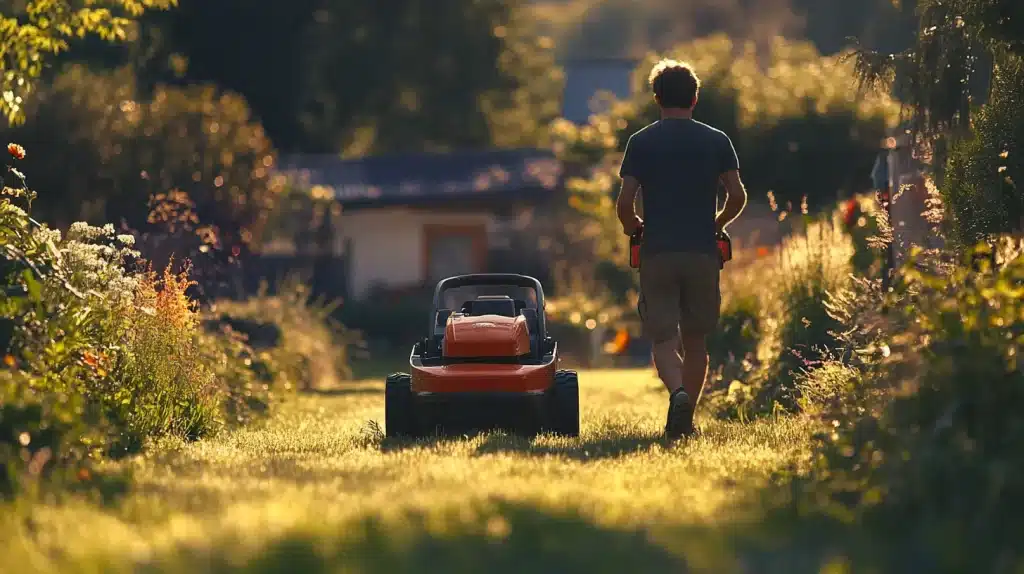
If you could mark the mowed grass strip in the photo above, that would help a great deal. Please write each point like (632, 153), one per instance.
(318, 490)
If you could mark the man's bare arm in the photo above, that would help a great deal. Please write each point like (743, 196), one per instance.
(625, 206)
(735, 199)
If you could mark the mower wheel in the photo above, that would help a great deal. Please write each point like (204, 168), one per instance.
(564, 404)
(399, 411)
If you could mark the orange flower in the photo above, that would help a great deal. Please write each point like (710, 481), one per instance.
(83, 474)
(10, 361)
(16, 151)
(762, 251)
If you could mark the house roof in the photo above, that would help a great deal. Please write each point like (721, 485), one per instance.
(427, 177)
(584, 78)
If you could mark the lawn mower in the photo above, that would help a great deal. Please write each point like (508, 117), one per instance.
(486, 363)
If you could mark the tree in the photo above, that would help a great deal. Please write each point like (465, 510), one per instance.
(362, 77)
(34, 32)
(966, 52)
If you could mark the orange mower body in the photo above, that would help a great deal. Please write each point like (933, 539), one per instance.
(487, 365)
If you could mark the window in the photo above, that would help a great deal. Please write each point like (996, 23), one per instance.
(451, 250)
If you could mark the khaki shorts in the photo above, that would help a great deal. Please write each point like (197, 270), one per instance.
(679, 293)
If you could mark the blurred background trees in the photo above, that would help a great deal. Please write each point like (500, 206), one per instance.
(110, 151)
(361, 78)
(607, 28)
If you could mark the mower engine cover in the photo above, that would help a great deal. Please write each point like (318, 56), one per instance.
(486, 336)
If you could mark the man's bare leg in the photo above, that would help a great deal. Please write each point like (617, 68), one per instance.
(694, 365)
(669, 364)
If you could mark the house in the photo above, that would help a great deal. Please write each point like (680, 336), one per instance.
(409, 220)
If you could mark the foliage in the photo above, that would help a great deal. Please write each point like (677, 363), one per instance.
(981, 187)
(357, 78)
(98, 358)
(732, 348)
(958, 43)
(298, 339)
(34, 32)
(188, 160)
(925, 476)
(863, 219)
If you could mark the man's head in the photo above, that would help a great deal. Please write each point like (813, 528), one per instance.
(675, 84)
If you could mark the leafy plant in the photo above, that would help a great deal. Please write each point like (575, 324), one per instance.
(99, 355)
(37, 31)
(925, 476)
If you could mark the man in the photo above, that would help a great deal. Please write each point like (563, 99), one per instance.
(679, 163)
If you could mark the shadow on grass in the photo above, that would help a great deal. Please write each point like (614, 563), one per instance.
(596, 448)
(506, 538)
(496, 442)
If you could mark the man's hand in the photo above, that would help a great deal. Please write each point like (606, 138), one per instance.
(625, 206)
(629, 227)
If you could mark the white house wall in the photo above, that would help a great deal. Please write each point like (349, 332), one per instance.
(387, 244)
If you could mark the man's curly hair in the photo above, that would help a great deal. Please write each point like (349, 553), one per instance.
(675, 84)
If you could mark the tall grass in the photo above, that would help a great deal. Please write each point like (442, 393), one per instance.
(780, 300)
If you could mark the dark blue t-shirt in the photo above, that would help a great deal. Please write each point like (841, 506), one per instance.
(678, 163)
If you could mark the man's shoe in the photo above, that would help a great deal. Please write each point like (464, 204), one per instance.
(680, 415)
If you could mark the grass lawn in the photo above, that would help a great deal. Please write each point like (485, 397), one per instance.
(315, 489)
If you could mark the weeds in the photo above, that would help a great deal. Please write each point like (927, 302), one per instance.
(100, 355)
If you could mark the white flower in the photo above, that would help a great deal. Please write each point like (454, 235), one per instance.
(44, 234)
(126, 240)
(82, 231)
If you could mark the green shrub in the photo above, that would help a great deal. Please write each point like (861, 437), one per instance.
(986, 170)
(45, 437)
(161, 384)
(296, 340)
(930, 476)
(814, 265)
(732, 348)
(97, 358)
(246, 377)
(205, 163)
